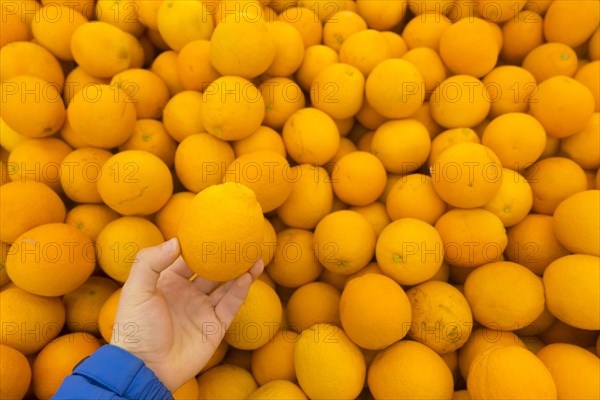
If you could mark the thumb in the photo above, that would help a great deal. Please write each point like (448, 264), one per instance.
(148, 265)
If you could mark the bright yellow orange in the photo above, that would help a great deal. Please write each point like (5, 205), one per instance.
(533, 244)
(410, 251)
(376, 214)
(123, 15)
(469, 47)
(264, 138)
(57, 360)
(221, 232)
(552, 180)
(410, 370)
(400, 100)
(120, 240)
(51, 259)
(278, 389)
(316, 58)
(551, 59)
(21, 312)
(344, 242)
(449, 138)
(358, 178)
(225, 382)
(425, 31)
(569, 24)
(165, 66)
(306, 21)
(91, 218)
(504, 295)
(282, 97)
(55, 33)
(15, 372)
(341, 26)
(275, 360)
(311, 198)
(413, 196)
(257, 320)
(193, 65)
(328, 364)
(575, 371)
(467, 175)
(182, 22)
(374, 311)
(584, 146)
(338, 90)
(242, 45)
(364, 50)
(311, 136)
(562, 105)
(312, 303)
(381, 14)
(135, 182)
(145, 89)
(150, 135)
(461, 101)
(106, 317)
(441, 316)
(295, 262)
(25, 205)
(401, 145)
(471, 237)
(38, 160)
(265, 172)
(31, 59)
(289, 49)
(509, 89)
(575, 222)
(201, 161)
(84, 303)
(80, 171)
(32, 106)
(188, 390)
(571, 285)
(101, 49)
(522, 34)
(102, 115)
(232, 108)
(514, 199)
(510, 372)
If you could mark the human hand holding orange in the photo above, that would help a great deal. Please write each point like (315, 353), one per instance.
(178, 323)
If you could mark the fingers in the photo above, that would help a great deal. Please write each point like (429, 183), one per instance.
(180, 268)
(229, 297)
(148, 265)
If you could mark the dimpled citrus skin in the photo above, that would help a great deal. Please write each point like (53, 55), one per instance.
(576, 371)
(221, 230)
(51, 259)
(43, 206)
(504, 295)
(576, 222)
(510, 373)
(328, 365)
(572, 285)
(410, 370)
(374, 311)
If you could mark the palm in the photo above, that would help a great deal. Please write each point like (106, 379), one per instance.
(180, 323)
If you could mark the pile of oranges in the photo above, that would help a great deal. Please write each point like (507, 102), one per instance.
(420, 178)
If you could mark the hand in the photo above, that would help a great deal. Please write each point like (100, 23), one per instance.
(178, 323)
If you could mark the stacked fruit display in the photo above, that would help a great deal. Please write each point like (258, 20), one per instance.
(420, 178)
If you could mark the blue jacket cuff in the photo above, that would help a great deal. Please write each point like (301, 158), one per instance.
(117, 371)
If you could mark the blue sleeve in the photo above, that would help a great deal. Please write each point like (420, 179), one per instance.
(112, 373)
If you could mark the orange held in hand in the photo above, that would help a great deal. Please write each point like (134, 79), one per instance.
(221, 232)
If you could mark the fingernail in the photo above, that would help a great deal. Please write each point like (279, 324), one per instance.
(170, 245)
